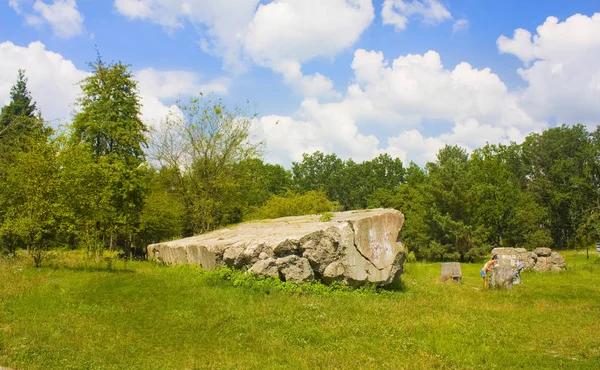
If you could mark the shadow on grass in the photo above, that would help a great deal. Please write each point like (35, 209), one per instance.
(396, 286)
(90, 269)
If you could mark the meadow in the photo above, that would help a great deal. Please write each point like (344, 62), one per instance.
(76, 314)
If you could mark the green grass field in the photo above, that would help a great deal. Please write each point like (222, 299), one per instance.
(79, 316)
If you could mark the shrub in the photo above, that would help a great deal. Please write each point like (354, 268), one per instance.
(294, 204)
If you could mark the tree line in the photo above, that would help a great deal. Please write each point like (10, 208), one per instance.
(105, 181)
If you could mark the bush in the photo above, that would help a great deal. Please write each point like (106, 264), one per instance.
(294, 204)
(327, 216)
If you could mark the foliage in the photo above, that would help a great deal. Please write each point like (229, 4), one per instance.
(31, 208)
(91, 187)
(28, 208)
(348, 183)
(559, 163)
(326, 216)
(203, 148)
(16, 117)
(294, 204)
(109, 136)
(163, 213)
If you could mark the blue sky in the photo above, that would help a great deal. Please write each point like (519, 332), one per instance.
(353, 77)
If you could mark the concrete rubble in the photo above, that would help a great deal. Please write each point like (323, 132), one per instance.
(541, 259)
(355, 247)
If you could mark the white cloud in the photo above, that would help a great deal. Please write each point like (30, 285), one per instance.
(410, 145)
(54, 83)
(286, 33)
(460, 25)
(172, 84)
(562, 82)
(53, 80)
(15, 5)
(280, 35)
(300, 30)
(399, 12)
(403, 95)
(417, 87)
(155, 85)
(287, 139)
(223, 22)
(561, 69)
(62, 15)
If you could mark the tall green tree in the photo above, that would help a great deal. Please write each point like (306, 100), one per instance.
(453, 233)
(558, 162)
(108, 124)
(506, 213)
(204, 147)
(31, 205)
(21, 106)
(19, 120)
(23, 149)
(320, 172)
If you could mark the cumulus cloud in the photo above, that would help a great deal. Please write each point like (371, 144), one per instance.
(562, 83)
(54, 83)
(156, 85)
(62, 15)
(301, 30)
(416, 87)
(286, 33)
(222, 22)
(172, 84)
(560, 68)
(53, 80)
(280, 35)
(399, 12)
(403, 95)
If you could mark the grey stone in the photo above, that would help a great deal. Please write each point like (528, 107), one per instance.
(286, 248)
(355, 247)
(321, 249)
(541, 260)
(335, 271)
(543, 252)
(266, 268)
(511, 256)
(295, 269)
(451, 272)
(502, 277)
(264, 256)
(557, 263)
(233, 255)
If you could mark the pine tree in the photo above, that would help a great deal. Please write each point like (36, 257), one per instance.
(21, 102)
(19, 117)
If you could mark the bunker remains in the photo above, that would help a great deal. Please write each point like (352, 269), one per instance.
(541, 259)
(355, 247)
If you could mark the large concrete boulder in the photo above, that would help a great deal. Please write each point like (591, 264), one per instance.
(552, 262)
(541, 259)
(502, 277)
(451, 272)
(355, 247)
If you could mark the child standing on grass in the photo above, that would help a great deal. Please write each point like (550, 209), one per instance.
(486, 269)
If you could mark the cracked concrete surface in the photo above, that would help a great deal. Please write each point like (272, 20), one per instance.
(355, 246)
